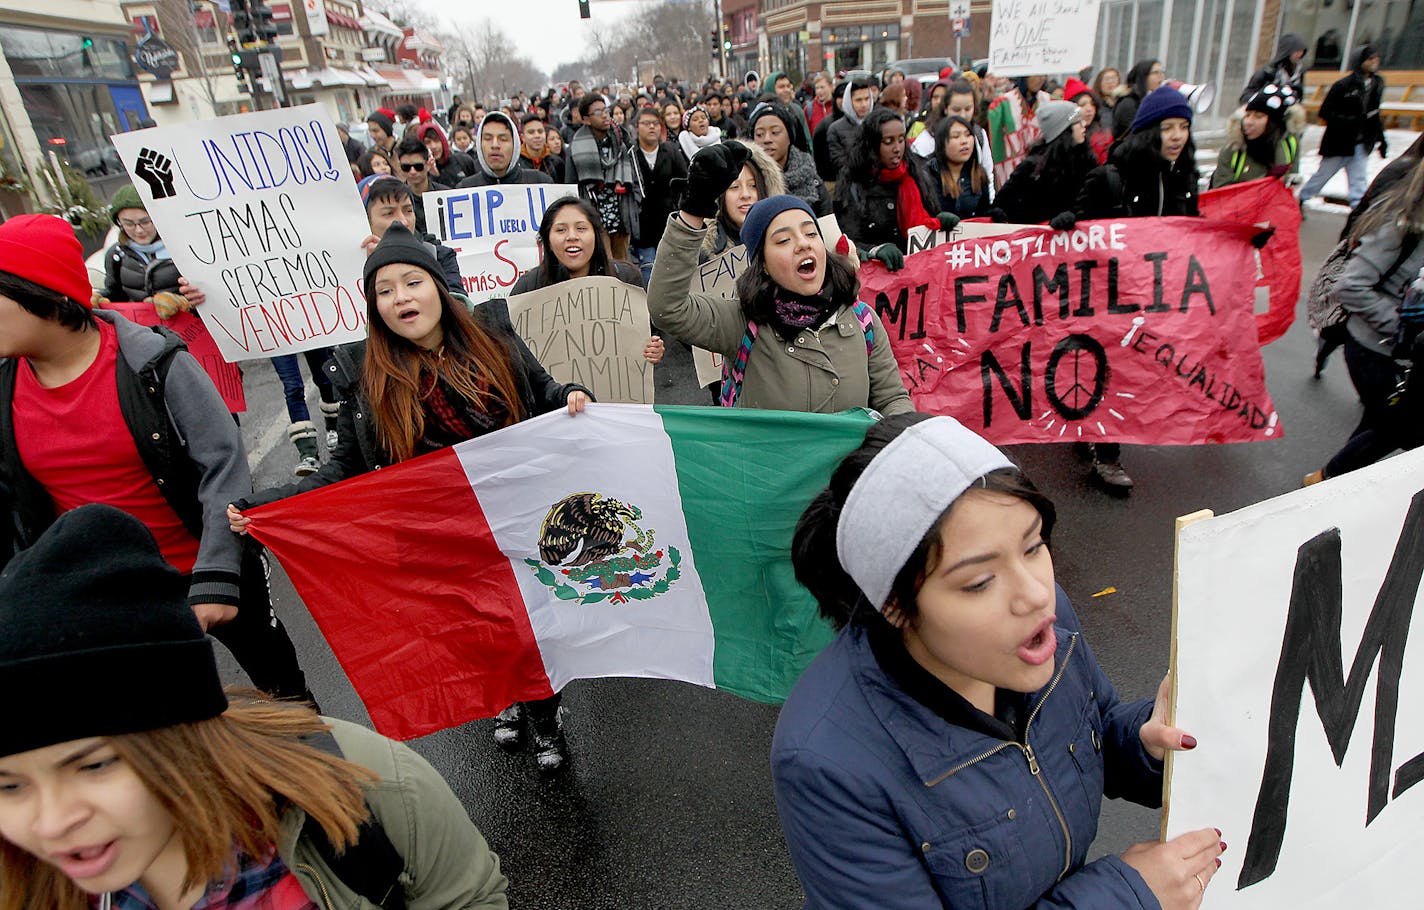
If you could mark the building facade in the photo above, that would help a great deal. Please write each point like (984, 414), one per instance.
(67, 83)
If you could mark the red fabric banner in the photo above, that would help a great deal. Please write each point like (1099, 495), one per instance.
(430, 628)
(226, 376)
(1137, 331)
(1267, 203)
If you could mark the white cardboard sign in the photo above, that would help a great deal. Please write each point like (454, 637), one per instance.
(1039, 37)
(494, 231)
(1297, 674)
(259, 211)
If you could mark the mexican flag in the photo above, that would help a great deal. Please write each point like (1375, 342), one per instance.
(626, 541)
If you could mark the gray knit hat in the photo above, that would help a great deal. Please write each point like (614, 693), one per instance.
(1056, 116)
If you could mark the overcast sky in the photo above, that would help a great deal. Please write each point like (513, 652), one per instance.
(549, 32)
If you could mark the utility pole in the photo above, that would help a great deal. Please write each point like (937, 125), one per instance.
(722, 39)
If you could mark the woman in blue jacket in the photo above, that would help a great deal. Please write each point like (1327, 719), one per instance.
(952, 747)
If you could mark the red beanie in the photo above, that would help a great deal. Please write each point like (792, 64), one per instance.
(1075, 87)
(43, 249)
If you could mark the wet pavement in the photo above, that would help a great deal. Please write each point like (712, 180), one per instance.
(668, 803)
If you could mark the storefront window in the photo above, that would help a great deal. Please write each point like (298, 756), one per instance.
(57, 55)
(788, 54)
(1394, 27)
(862, 47)
(75, 121)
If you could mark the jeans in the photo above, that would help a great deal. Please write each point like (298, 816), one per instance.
(257, 639)
(289, 370)
(1356, 172)
(1383, 427)
(644, 255)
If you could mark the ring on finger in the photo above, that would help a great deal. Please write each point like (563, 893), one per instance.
(1200, 884)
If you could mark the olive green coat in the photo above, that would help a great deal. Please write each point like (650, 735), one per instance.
(448, 865)
(825, 370)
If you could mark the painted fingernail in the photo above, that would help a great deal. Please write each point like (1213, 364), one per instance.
(1218, 863)
(1218, 831)
(1222, 845)
(1189, 741)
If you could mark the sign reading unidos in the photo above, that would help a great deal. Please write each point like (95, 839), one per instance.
(260, 211)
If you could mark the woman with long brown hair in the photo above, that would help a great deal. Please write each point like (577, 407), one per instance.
(431, 374)
(130, 779)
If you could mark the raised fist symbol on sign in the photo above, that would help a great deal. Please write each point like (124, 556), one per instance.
(157, 171)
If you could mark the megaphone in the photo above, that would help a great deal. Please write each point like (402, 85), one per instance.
(1199, 97)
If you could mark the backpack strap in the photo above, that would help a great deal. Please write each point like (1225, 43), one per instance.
(1238, 163)
(735, 370)
(866, 317)
(1292, 148)
(371, 866)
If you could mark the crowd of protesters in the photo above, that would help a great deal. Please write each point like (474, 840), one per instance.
(123, 470)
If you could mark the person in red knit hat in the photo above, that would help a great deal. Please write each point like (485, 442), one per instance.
(94, 408)
(1095, 116)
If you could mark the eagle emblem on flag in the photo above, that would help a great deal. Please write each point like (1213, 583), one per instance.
(594, 549)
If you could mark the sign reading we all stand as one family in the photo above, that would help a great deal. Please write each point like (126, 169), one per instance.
(260, 212)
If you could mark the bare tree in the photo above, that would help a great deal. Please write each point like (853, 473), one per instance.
(486, 62)
(178, 23)
(671, 33)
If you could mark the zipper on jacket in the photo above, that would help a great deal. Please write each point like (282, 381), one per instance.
(1033, 766)
(321, 885)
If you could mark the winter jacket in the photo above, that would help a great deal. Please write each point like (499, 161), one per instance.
(129, 279)
(821, 148)
(532, 280)
(802, 180)
(1281, 70)
(821, 371)
(516, 174)
(1372, 305)
(866, 210)
(1037, 192)
(841, 137)
(659, 199)
(358, 451)
(886, 804)
(1139, 187)
(1235, 163)
(184, 436)
(553, 165)
(448, 864)
(923, 145)
(1351, 114)
(968, 204)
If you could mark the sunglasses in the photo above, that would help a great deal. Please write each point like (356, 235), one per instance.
(412, 165)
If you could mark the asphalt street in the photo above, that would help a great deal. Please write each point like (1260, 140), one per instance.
(669, 804)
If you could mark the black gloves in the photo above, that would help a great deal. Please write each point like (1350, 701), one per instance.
(1063, 221)
(710, 172)
(1384, 149)
(1263, 237)
(948, 221)
(998, 216)
(889, 254)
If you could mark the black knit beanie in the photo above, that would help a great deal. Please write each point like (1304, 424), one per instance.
(97, 638)
(383, 121)
(400, 245)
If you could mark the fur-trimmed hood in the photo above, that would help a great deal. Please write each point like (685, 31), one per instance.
(713, 243)
(1295, 123)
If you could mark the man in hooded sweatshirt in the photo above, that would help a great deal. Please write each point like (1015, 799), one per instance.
(497, 150)
(1351, 114)
(855, 104)
(1287, 67)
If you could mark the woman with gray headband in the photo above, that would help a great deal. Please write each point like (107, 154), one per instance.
(952, 746)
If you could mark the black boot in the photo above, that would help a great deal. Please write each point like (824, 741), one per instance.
(551, 750)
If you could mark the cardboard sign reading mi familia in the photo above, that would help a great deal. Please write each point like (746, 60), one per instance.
(590, 331)
(1136, 331)
(260, 211)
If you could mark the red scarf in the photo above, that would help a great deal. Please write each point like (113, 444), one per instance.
(910, 210)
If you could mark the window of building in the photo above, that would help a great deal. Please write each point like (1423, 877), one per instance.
(862, 47)
(1394, 27)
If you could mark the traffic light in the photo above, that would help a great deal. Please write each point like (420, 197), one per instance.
(242, 23)
(716, 45)
(262, 22)
(583, 10)
(726, 40)
(235, 52)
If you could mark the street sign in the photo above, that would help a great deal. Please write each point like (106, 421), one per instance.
(960, 27)
(268, 64)
(959, 10)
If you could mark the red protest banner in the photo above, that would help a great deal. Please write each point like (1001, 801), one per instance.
(1266, 202)
(1136, 331)
(226, 376)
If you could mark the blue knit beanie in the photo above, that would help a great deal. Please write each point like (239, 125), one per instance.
(760, 216)
(1161, 104)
